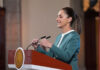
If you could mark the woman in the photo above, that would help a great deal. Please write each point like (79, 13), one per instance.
(67, 44)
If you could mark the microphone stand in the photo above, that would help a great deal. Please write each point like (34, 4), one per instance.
(38, 40)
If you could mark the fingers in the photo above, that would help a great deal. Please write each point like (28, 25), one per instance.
(35, 43)
(44, 42)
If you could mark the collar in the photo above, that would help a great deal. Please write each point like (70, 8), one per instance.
(67, 32)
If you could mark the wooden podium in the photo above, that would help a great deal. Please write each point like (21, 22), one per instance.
(38, 61)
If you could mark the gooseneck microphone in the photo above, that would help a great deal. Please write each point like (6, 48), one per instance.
(38, 40)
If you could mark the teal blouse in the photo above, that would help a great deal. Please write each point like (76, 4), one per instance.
(67, 50)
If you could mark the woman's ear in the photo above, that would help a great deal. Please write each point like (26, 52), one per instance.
(69, 19)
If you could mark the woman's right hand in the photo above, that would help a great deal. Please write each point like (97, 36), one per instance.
(35, 43)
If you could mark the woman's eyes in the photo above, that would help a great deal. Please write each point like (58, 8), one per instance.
(60, 16)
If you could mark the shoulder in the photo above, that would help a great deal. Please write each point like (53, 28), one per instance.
(74, 39)
(73, 35)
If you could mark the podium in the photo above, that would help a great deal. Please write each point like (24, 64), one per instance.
(35, 60)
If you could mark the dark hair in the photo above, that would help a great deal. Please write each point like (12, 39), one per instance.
(70, 12)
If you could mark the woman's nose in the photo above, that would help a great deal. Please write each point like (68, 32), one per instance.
(57, 19)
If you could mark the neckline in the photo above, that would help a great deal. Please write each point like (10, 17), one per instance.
(67, 32)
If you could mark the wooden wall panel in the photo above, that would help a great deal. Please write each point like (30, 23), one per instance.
(99, 44)
(90, 40)
(2, 39)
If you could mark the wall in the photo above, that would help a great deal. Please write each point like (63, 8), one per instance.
(39, 18)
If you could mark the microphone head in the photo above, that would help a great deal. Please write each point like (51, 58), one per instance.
(43, 37)
(48, 37)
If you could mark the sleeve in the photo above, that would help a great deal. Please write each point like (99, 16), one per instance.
(41, 50)
(67, 53)
(49, 53)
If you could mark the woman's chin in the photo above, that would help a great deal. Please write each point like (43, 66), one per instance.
(59, 26)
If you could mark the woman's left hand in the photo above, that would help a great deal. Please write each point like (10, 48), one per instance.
(45, 43)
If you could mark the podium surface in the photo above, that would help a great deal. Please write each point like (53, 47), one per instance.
(39, 61)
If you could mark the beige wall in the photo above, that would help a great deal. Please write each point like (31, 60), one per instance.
(39, 18)
(1, 3)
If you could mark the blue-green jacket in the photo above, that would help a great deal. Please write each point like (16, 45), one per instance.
(67, 51)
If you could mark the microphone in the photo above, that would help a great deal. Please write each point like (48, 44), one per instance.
(42, 37)
(48, 37)
(38, 40)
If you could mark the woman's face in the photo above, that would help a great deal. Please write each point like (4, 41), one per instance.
(62, 19)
